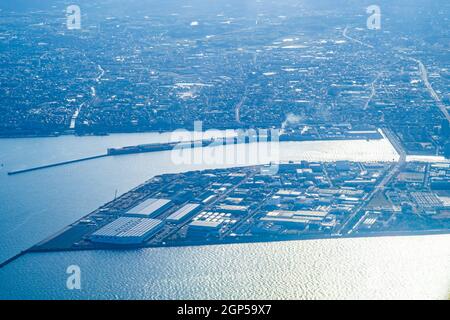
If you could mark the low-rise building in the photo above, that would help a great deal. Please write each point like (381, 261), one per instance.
(127, 230)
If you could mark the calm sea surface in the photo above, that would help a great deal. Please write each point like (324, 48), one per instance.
(35, 205)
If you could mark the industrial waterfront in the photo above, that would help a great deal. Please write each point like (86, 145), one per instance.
(57, 197)
(276, 200)
(334, 184)
(302, 200)
(111, 176)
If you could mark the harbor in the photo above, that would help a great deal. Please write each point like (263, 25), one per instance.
(239, 205)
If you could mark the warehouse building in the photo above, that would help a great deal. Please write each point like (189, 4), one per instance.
(203, 226)
(150, 208)
(127, 230)
(183, 213)
(299, 217)
(232, 209)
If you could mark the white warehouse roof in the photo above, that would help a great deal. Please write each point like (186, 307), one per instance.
(183, 212)
(127, 230)
(202, 224)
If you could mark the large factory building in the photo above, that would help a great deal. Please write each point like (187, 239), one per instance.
(150, 208)
(127, 230)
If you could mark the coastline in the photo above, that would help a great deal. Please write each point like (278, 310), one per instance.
(387, 234)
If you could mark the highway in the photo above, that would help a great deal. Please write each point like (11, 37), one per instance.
(433, 93)
(344, 34)
(349, 226)
(423, 75)
(237, 109)
(73, 120)
(373, 90)
(360, 214)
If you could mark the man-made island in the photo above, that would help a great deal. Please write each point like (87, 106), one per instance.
(303, 200)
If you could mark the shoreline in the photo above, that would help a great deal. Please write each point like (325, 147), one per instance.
(368, 235)
(418, 233)
(237, 240)
(109, 133)
(405, 233)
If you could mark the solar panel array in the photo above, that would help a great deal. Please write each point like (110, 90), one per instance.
(128, 227)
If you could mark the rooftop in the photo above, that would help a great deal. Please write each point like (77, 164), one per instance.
(148, 207)
(125, 227)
